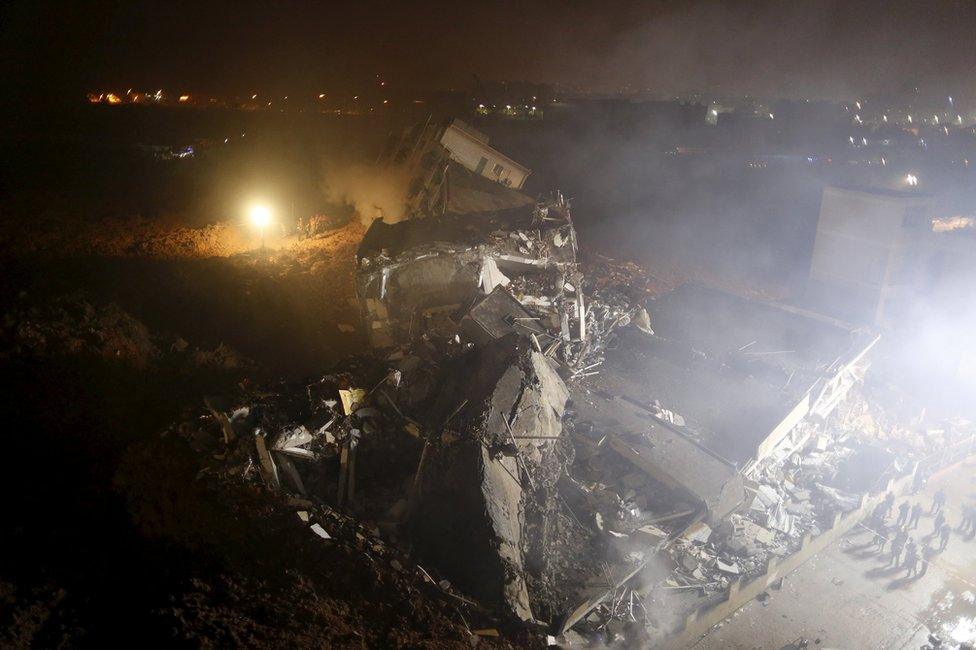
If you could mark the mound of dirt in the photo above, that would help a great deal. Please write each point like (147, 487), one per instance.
(74, 325)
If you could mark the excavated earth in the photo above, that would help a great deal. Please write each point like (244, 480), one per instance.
(111, 532)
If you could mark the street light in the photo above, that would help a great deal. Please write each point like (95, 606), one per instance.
(260, 218)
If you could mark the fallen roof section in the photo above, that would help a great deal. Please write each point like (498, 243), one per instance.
(640, 435)
(741, 372)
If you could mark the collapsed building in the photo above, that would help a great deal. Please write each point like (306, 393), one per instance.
(555, 444)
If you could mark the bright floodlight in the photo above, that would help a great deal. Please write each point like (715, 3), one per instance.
(911, 180)
(260, 216)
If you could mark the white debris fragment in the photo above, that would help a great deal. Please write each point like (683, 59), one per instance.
(318, 530)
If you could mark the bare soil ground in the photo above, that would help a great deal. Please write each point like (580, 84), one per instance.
(107, 337)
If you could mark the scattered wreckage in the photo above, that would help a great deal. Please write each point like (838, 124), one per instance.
(522, 429)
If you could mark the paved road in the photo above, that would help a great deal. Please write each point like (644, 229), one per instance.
(848, 598)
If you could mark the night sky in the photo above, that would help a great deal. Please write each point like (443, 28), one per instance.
(834, 48)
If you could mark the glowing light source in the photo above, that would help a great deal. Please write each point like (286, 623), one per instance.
(260, 216)
(184, 99)
(911, 180)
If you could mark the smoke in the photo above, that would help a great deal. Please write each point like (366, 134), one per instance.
(371, 190)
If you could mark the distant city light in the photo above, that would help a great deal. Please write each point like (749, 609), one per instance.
(184, 99)
(321, 95)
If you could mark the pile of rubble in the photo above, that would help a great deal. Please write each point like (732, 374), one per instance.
(449, 441)
(479, 277)
(459, 439)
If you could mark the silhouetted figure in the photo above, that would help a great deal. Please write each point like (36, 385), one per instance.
(938, 500)
(927, 554)
(911, 548)
(897, 544)
(944, 533)
(939, 522)
(903, 513)
(916, 513)
(968, 523)
(878, 515)
(881, 538)
(888, 502)
(911, 559)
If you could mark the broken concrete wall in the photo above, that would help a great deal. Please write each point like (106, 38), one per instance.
(397, 300)
(420, 276)
(469, 523)
(505, 407)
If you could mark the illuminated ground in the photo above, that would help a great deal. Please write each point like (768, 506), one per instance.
(848, 598)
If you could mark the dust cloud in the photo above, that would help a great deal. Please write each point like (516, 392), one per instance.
(371, 190)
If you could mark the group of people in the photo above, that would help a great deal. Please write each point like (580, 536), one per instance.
(908, 520)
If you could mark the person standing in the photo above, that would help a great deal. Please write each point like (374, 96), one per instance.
(878, 515)
(911, 549)
(927, 554)
(940, 520)
(916, 513)
(897, 544)
(968, 519)
(903, 513)
(944, 533)
(888, 502)
(938, 501)
(881, 538)
(911, 559)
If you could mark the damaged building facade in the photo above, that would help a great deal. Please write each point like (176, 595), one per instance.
(452, 169)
